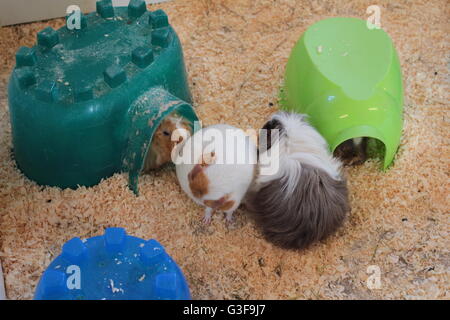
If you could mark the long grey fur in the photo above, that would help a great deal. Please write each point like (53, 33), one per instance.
(311, 208)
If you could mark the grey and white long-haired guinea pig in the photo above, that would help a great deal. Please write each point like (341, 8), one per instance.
(306, 199)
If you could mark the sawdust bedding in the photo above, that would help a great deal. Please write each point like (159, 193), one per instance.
(235, 53)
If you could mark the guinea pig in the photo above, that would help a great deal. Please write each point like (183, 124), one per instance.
(306, 199)
(352, 152)
(215, 168)
(163, 141)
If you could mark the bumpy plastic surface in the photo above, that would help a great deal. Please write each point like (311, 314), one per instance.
(114, 266)
(347, 78)
(81, 99)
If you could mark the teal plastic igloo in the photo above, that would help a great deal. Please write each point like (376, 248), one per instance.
(84, 103)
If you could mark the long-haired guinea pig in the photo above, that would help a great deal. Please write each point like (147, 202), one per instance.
(215, 167)
(305, 200)
(163, 141)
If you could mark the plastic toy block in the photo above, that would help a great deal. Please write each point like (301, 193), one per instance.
(115, 239)
(74, 250)
(95, 89)
(83, 92)
(47, 91)
(346, 77)
(142, 56)
(105, 8)
(55, 284)
(83, 21)
(136, 8)
(111, 267)
(48, 38)
(25, 77)
(160, 37)
(115, 76)
(158, 19)
(25, 57)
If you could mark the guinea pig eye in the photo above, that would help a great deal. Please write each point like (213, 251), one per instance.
(166, 133)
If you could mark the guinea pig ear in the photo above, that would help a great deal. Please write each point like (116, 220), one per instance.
(270, 125)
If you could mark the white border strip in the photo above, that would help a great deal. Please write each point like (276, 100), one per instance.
(2, 284)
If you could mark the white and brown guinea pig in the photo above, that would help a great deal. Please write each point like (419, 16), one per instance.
(163, 143)
(216, 167)
(305, 200)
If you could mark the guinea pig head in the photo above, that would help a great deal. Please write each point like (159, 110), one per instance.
(167, 136)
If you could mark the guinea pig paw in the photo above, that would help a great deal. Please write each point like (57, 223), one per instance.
(207, 216)
(229, 219)
(206, 220)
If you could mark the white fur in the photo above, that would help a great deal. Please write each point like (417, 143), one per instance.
(300, 143)
(224, 179)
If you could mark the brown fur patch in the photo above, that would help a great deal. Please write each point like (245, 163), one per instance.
(227, 205)
(222, 204)
(198, 181)
(164, 142)
(162, 145)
